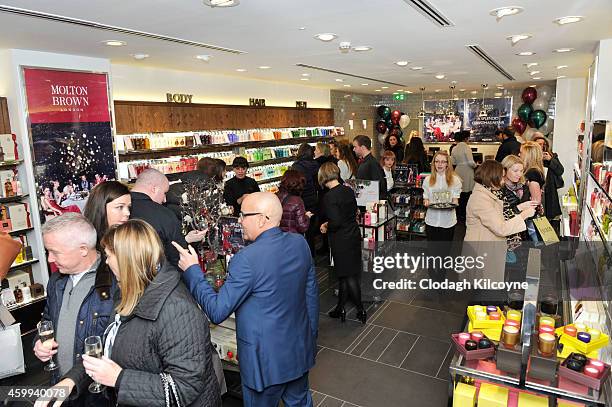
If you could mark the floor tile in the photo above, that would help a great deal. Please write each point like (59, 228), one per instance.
(336, 335)
(370, 384)
(317, 397)
(443, 373)
(419, 321)
(426, 356)
(398, 349)
(360, 346)
(331, 402)
(453, 303)
(382, 341)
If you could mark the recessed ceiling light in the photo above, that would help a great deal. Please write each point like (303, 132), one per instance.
(498, 94)
(140, 57)
(537, 78)
(534, 73)
(221, 3)
(305, 74)
(533, 86)
(437, 90)
(461, 90)
(114, 43)
(407, 91)
(440, 76)
(304, 79)
(530, 64)
(474, 92)
(326, 37)
(264, 67)
(339, 80)
(500, 87)
(362, 48)
(402, 63)
(347, 85)
(502, 12)
(518, 37)
(377, 90)
(561, 50)
(416, 68)
(526, 54)
(384, 87)
(302, 28)
(241, 70)
(568, 20)
(364, 84)
(561, 76)
(400, 90)
(204, 58)
(561, 66)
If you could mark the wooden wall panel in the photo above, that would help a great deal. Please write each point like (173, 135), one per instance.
(156, 117)
(5, 122)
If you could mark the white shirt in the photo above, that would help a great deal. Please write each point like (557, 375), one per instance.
(77, 277)
(345, 170)
(441, 218)
(389, 177)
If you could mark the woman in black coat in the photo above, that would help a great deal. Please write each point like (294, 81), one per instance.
(344, 238)
(157, 329)
(309, 167)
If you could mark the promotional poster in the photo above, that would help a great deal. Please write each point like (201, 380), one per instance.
(499, 115)
(70, 125)
(442, 119)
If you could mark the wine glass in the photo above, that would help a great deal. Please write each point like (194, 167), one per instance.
(46, 333)
(93, 348)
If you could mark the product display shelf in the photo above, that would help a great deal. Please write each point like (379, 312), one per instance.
(20, 231)
(25, 304)
(15, 198)
(23, 264)
(397, 207)
(5, 164)
(565, 219)
(460, 368)
(268, 180)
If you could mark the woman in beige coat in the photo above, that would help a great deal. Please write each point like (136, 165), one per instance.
(486, 229)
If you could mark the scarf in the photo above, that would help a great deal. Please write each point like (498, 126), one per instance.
(517, 188)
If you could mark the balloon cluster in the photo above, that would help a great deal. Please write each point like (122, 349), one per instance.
(532, 114)
(390, 123)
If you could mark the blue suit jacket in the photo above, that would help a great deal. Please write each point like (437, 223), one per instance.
(272, 288)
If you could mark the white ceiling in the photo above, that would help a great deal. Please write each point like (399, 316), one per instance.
(268, 30)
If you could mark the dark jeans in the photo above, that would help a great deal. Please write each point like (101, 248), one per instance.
(294, 394)
(441, 243)
(463, 200)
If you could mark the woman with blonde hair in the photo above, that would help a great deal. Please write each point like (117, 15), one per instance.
(443, 186)
(387, 162)
(158, 334)
(531, 154)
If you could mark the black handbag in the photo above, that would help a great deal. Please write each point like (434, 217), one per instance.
(170, 391)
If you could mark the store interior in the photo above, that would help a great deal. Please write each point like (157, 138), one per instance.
(178, 81)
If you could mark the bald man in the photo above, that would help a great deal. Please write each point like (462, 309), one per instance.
(273, 290)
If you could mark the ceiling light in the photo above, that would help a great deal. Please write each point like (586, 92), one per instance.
(502, 12)
(384, 87)
(416, 68)
(498, 93)
(518, 37)
(362, 48)
(204, 58)
(561, 66)
(326, 37)
(304, 79)
(461, 90)
(537, 78)
(305, 74)
(347, 85)
(264, 67)
(533, 86)
(364, 84)
(440, 76)
(140, 57)
(402, 63)
(526, 54)
(530, 64)
(400, 90)
(561, 50)
(407, 91)
(534, 73)
(474, 92)
(241, 70)
(114, 43)
(339, 80)
(561, 76)
(377, 90)
(221, 3)
(437, 90)
(500, 87)
(568, 20)
(302, 28)
(344, 47)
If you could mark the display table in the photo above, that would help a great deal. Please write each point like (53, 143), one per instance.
(381, 232)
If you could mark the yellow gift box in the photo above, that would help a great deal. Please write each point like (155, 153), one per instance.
(492, 396)
(530, 400)
(464, 395)
(492, 333)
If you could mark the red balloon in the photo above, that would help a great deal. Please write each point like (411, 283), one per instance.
(381, 127)
(395, 116)
(519, 125)
(529, 95)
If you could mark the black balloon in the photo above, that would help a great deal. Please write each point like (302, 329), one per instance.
(381, 110)
(381, 127)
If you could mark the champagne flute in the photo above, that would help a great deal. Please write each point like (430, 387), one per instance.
(46, 333)
(93, 348)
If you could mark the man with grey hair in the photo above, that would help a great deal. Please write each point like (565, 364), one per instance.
(80, 297)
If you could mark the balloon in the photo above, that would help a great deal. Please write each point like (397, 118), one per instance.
(381, 127)
(545, 92)
(381, 138)
(529, 133)
(524, 111)
(384, 112)
(395, 121)
(395, 115)
(404, 121)
(547, 127)
(389, 124)
(529, 95)
(396, 131)
(540, 104)
(519, 125)
(537, 118)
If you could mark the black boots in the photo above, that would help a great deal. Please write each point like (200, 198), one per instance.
(362, 316)
(338, 312)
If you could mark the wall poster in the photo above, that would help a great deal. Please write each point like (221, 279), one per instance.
(70, 126)
(442, 119)
(499, 115)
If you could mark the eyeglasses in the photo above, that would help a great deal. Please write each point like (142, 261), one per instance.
(243, 215)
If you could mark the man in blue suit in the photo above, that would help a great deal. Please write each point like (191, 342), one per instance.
(273, 290)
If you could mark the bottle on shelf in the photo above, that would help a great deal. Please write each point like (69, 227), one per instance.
(26, 293)
(18, 295)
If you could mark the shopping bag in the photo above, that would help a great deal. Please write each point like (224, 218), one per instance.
(545, 230)
(11, 362)
(9, 249)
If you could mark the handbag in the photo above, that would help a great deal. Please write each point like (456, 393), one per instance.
(170, 391)
(9, 249)
(11, 362)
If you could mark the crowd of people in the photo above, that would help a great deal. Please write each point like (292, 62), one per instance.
(119, 265)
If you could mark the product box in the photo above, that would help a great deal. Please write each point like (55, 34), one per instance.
(585, 348)
(492, 396)
(485, 323)
(17, 278)
(8, 145)
(6, 175)
(531, 400)
(464, 395)
(581, 378)
(472, 354)
(19, 215)
(540, 366)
